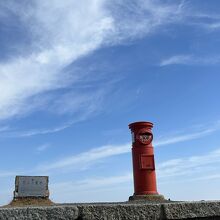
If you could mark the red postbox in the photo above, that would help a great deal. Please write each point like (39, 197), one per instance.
(145, 186)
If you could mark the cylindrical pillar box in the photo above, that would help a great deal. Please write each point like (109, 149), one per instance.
(144, 174)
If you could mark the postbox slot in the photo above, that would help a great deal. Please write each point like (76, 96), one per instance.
(147, 162)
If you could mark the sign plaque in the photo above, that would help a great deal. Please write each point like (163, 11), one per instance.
(31, 186)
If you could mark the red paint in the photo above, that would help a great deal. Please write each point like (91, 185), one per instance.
(143, 159)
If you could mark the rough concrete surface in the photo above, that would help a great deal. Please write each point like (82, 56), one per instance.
(43, 213)
(119, 211)
(112, 211)
(187, 210)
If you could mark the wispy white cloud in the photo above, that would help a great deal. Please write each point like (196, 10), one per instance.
(96, 154)
(80, 108)
(30, 133)
(135, 19)
(43, 147)
(194, 166)
(62, 32)
(4, 128)
(86, 158)
(213, 26)
(93, 189)
(104, 181)
(186, 137)
(57, 42)
(178, 59)
(92, 183)
(206, 176)
(208, 21)
(190, 60)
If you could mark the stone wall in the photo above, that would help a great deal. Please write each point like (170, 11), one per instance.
(111, 211)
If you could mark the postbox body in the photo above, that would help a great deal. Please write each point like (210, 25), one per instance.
(143, 159)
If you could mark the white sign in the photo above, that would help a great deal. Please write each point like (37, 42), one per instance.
(31, 186)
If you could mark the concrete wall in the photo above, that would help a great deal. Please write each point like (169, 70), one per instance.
(112, 211)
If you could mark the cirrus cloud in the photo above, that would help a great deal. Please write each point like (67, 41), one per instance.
(61, 32)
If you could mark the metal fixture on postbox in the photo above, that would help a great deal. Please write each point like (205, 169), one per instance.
(145, 187)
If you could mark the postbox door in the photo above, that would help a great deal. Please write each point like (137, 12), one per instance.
(147, 162)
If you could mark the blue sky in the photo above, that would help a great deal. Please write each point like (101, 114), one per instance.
(74, 74)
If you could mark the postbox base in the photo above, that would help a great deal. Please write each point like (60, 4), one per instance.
(149, 197)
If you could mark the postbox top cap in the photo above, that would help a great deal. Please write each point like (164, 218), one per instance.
(141, 123)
